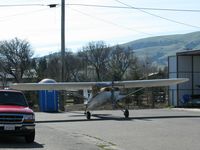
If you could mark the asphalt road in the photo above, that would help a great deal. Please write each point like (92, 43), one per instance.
(152, 129)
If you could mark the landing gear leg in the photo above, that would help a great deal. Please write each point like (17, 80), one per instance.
(88, 115)
(126, 113)
(85, 110)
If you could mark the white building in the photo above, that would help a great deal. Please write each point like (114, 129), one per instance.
(184, 65)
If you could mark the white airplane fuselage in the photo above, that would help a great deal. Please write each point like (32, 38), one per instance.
(102, 98)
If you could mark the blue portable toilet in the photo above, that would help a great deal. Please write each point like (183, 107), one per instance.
(48, 99)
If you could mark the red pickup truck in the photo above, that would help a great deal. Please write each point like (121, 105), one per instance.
(16, 118)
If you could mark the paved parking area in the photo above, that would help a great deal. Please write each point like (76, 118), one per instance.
(151, 129)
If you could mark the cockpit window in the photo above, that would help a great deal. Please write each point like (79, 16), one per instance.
(106, 89)
(12, 98)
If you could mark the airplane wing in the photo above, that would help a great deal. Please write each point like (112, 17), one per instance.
(69, 86)
(150, 83)
(74, 86)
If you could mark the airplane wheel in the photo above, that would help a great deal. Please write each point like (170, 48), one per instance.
(126, 113)
(88, 115)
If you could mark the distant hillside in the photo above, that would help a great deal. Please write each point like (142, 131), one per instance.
(160, 47)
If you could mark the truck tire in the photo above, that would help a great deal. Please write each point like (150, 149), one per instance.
(30, 138)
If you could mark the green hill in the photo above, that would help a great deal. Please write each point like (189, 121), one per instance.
(160, 47)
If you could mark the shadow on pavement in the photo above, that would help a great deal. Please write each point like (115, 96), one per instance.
(17, 142)
(103, 117)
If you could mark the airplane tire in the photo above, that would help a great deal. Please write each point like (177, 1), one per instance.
(88, 115)
(126, 113)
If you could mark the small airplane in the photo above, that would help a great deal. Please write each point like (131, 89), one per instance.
(109, 91)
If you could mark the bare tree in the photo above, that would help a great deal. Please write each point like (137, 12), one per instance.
(97, 55)
(74, 67)
(53, 67)
(134, 71)
(3, 76)
(147, 66)
(40, 66)
(15, 57)
(120, 61)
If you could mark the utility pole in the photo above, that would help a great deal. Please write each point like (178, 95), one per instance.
(62, 40)
(62, 100)
(62, 73)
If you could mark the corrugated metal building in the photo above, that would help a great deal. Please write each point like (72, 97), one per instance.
(184, 65)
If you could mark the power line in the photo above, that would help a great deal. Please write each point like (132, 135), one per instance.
(20, 14)
(127, 7)
(106, 6)
(164, 18)
(109, 22)
(103, 20)
(22, 5)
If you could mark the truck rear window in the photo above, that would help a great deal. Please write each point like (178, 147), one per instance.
(12, 98)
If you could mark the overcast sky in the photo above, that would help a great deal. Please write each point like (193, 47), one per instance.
(40, 25)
